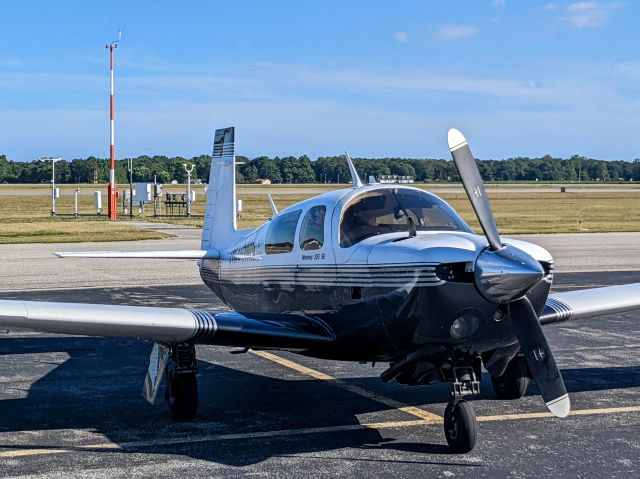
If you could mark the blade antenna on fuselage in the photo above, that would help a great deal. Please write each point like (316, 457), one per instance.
(357, 182)
(274, 209)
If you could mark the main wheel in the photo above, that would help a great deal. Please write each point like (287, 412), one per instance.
(460, 427)
(514, 382)
(183, 397)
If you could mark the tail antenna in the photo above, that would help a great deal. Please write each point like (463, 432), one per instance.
(357, 182)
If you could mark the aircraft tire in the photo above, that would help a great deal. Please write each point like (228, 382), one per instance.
(514, 382)
(460, 427)
(183, 397)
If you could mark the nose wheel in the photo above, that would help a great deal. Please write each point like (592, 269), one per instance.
(460, 423)
(460, 426)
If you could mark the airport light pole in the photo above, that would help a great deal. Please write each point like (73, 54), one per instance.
(188, 169)
(53, 180)
(112, 192)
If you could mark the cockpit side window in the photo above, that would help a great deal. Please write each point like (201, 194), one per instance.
(390, 210)
(282, 233)
(312, 228)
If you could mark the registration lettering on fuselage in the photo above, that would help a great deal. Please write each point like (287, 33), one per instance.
(313, 257)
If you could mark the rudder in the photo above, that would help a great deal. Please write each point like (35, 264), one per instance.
(220, 214)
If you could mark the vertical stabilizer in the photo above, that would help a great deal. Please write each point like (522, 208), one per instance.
(220, 215)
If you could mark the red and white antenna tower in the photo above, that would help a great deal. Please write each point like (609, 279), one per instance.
(112, 192)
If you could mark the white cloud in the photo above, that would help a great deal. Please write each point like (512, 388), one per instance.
(375, 81)
(628, 70)
(298, 109)
(550, 6)
(456, 32)
(498, 3)
(401, 37)
(590, 14)
(11, 63)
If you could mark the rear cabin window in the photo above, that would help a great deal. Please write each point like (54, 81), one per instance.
(385, 211)
(312, 228)
(282, 232)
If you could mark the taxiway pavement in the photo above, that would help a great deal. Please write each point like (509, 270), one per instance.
(71, 406)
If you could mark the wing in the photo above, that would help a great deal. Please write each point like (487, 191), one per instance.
(160, 254)
(587, 303)
(169, 325)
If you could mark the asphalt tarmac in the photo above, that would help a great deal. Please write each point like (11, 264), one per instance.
(71, 407)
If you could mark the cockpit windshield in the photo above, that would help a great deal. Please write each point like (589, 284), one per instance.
(392, 210)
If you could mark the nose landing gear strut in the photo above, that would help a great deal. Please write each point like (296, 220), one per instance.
(460, 424)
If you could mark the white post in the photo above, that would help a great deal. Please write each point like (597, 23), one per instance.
(75, 201)
(130, 164)
(188, 169)
(53, 188)
(53, 181)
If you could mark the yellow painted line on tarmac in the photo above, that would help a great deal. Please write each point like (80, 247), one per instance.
(293, 365)
(110, 446)
(578, 412)
(31, 452)
(104, 445)
(412, 410)
(608, 410)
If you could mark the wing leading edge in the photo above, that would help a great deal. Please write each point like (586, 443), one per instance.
(588, 303)
(168, 325)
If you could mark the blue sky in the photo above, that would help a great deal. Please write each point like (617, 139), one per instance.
(376, 77)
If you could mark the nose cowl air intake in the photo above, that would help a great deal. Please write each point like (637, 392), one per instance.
(506, 274)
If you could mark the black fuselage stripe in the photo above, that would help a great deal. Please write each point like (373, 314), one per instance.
(391, 275)
(365, 269)
(328, 281)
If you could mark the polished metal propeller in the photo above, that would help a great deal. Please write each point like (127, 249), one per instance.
(504, 274)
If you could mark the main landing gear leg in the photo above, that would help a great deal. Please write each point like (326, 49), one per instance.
(460, 424)
(515, 380)
(182, 384)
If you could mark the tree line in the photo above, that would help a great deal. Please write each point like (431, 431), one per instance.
(325, 169)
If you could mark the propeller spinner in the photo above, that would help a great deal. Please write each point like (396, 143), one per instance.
(503, 275)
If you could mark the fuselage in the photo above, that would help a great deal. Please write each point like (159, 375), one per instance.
(389, 269)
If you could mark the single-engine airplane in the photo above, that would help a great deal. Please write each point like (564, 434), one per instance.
(376, 272)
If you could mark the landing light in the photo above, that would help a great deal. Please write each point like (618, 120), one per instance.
(464, 326)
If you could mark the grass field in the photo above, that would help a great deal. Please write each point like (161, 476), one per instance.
(27, 218)
(518, 212)
(56, 231)
(529, 208)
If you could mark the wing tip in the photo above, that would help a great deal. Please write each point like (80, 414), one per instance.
(455, 139)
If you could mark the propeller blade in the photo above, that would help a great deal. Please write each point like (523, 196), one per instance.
(474, 186)
(504, 277)
(539, 357)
